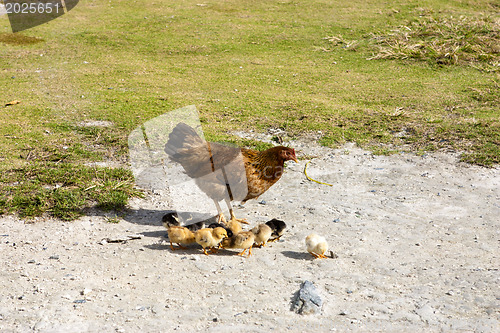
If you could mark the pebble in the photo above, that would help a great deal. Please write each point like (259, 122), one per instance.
(307, 300)
(85, 291)
(427, 313)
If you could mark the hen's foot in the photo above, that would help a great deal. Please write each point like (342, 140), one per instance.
(234, 219)
(221, 218)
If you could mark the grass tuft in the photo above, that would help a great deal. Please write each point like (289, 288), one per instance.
(64, 190)
(463, 40)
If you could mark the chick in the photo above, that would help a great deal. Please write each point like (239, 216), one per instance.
(234, 225)
(210, 238)
(262, 234)
(316, 245)
(278, 228)
(180, 235)
(216, 225)
(243, 240)
(170, 219)
(195, 226)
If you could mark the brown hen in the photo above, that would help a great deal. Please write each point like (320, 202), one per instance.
(223, 172)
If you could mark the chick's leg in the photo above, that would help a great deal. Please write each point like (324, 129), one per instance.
(242, 253)
(274, 239)
(318, 255)
(313, 254)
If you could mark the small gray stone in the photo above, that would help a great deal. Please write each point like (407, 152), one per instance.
(307, 300)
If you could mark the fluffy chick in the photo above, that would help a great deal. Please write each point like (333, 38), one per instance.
(316, 245)
(278, 228)
(210, 238)
(217, 225)
(262, 234)
(180, 235)
(243, 240)
(234, 226)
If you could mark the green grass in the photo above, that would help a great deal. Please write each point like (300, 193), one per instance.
(302, 67)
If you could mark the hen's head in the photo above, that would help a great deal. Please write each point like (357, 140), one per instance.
(287, 154)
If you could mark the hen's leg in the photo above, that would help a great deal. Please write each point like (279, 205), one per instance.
(219, 211)
(231, 212)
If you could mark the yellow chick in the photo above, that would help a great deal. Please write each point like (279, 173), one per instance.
(243, 240)
(316, 245)
(210, 238)
(234, 226)
(180, 235)
(262, 234)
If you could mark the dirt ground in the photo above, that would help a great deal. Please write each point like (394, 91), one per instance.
(417, 240)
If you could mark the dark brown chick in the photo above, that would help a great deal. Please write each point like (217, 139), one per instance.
(278, 228)
(223, 172)
(171, 218)
(243, 240)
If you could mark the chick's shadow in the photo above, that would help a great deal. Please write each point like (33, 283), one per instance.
(297, 255)
(165, 246)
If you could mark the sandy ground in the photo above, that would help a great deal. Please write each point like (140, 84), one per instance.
(417, 240)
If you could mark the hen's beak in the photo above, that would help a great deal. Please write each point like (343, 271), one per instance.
(295, 159)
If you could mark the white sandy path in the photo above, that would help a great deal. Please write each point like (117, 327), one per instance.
(417, 240)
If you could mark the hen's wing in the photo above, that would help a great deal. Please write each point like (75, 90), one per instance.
(218, 169)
